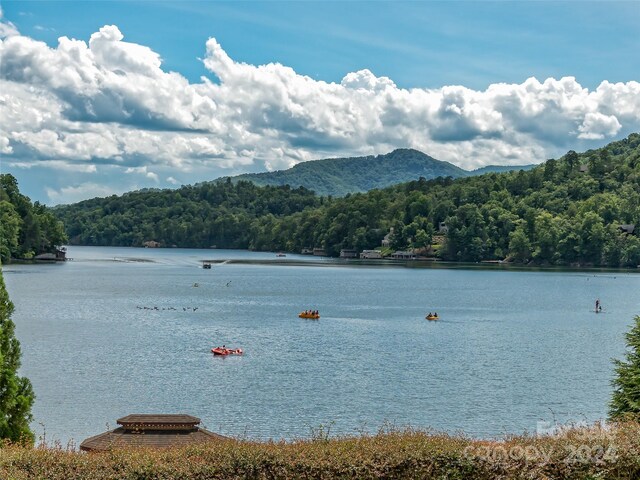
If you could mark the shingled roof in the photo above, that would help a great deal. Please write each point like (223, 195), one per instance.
(151, 430)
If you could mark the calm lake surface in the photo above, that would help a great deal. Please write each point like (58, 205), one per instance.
(512, 348)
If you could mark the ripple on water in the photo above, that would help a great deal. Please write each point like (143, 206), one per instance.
(511, 348)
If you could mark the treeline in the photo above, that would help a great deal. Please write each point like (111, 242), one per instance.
(26, 229)
(200, 216)
(565, 211)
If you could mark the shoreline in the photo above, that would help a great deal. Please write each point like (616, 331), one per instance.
(341, 262)
(434, 264)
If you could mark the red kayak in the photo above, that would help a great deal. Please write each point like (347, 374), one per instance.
(226, 351)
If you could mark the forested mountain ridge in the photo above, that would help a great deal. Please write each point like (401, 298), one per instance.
(565, 211)
(340, 176)
(201, 216)
(26, 229)
(501, 169)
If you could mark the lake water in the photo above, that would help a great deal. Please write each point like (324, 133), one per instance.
(512, 348)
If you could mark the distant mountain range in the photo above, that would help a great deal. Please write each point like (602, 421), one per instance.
(340, 176)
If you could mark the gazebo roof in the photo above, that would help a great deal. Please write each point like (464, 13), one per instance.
(152, 430)
(146, 421)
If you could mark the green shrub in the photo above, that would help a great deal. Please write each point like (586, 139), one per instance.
(577, 453)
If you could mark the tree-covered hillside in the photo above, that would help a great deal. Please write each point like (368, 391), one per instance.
(201, 216)
(339, 176)
(566, 211)
(500, 169)
(26, 229)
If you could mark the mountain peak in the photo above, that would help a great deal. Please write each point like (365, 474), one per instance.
(406, 151)
(340, 176)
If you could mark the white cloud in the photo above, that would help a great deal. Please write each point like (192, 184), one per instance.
(366, 80)
(143, 171)
(4, 145)
(109, 101)
(597, 126)
(111, 53)
(80, 192)
(7, 29)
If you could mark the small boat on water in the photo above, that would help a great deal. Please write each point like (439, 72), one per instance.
(432, 317)
(280, 254)
(223, 351)
(312, 316)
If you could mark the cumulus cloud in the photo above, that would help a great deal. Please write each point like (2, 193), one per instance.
(80, 192)
(7, 29)
(110, 103)
(597, 126)
(143, 171)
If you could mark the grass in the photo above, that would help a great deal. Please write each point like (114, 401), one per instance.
(577, 453)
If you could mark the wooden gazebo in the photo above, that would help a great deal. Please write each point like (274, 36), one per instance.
(151, 430)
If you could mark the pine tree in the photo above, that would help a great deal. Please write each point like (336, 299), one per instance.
(16, 393)
(625, 401)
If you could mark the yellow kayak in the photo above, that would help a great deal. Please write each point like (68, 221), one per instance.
(314, 316)
(432, 317)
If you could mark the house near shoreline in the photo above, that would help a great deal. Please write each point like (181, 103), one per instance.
(404, 255)
(348, 253)
(60, 255)
(151, 430)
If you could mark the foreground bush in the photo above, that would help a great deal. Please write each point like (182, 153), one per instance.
(579, 453)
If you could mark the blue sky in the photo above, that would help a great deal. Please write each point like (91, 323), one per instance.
(473, 83)
(417, 44)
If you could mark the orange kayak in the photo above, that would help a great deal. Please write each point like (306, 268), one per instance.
(226, 351)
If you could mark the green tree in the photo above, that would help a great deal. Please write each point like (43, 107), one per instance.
(519, 245)
(423, 238)
(592, 236)
(572, 160)
(9, 230)
(625, 400)
(550, 169)
(546, 237)
(467, 235)
(398, 240)
(26, 229)
(16, 393)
